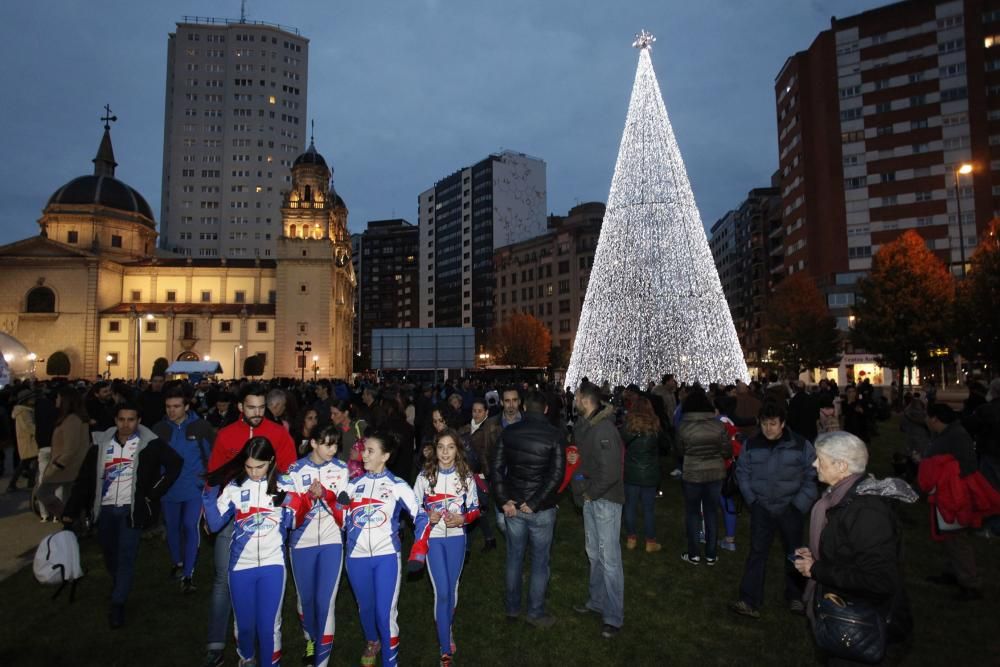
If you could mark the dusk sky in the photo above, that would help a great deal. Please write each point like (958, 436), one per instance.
(405, 92)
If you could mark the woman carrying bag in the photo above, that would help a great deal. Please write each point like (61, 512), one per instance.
(855, 597)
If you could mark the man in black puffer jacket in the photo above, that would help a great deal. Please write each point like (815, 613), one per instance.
(527, 469)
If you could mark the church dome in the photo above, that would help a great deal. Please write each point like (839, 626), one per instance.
(311, 156)
(103, 190)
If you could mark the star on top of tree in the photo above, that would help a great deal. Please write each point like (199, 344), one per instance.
(644, 40)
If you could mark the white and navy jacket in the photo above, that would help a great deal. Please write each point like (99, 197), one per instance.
(259, 526)
(323, 520)
(372, 517)
(449, 496)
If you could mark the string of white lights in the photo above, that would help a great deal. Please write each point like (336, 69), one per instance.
(654, 302)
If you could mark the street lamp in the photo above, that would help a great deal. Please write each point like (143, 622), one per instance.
(236, 349)
(108, 359)
(301, 347)
(964, 168)
(149, 317)
(315, 367)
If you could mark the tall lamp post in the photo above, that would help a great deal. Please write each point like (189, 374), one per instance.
(108, 359)
(138, 339)
(236, 349)
(301, 348)
(964, 168)
(315, 367)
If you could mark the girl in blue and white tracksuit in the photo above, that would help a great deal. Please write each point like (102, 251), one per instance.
(446, 495)
(250, 497)
(373, 503)
(316, 547)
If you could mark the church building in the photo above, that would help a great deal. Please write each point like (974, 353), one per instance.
(91, 286)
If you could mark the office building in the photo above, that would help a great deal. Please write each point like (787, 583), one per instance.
(875, 120)
(388, 277)
(463, 219)
(546, 276)
(747, 245)
(235, 118)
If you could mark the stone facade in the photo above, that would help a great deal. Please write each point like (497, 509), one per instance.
(89, 285)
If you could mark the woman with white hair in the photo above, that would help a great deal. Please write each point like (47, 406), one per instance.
(854, 542)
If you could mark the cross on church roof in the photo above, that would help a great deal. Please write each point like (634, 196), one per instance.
(108, 118)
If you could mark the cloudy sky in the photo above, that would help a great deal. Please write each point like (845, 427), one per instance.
(404, 92)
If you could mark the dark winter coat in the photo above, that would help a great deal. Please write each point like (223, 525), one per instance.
(803, 411)
(860, 549)
(705, 444)
(600, 474)
(642, 458)
(778, 473)
(528, 463)
(157, 467)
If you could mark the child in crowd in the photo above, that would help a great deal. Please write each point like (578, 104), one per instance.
(250, 496)
(317, 547)
(373, 505)
(447, 499)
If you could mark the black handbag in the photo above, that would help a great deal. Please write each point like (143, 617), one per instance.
(849, 629)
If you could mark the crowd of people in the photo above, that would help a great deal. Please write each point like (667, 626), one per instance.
(317, 477)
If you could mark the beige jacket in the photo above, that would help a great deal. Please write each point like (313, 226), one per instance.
(70, 442)
(24, 422)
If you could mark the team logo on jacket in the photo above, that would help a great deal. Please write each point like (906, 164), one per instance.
(306, 479)
(368, 514)
(258, 522)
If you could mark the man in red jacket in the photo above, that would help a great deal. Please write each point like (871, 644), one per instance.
(228, 443)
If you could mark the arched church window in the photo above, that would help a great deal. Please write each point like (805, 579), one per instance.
(40, 300)
(292, 231)
(308, 196)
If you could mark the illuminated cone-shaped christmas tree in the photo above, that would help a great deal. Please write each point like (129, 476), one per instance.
(654, 304)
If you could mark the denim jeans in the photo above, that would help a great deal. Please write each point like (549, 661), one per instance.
(221, 606)
(701, 500)
(763, 525)
(633, 496)
(120, 545)
(528, 531)
(602, 524)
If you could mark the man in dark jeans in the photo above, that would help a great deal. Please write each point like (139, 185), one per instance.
(527, 468)
(778, 482)
(124, 476)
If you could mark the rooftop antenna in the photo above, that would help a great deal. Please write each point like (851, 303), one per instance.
(243, 11)
(108, 118)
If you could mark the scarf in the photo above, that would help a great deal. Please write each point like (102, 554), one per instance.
(832, 497)
(473, 426)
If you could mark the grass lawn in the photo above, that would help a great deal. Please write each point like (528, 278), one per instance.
(674, 613)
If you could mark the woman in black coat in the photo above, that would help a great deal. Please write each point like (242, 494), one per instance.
(854, 537)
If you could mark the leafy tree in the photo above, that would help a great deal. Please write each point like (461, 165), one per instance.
(977, 317)
(903, 304)
(58, 365)
(798, 327)
(160, 366)
(558, 357)
(521, 340)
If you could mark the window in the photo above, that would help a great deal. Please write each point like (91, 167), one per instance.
(113, 361)
(854, 183)
(240, 296)
(272, 297)
(564, 267)
(188, 329)
(206, 296)
(924, 196)
(225, 326)
(262, 326)
(881, 107)
(114, 326)
(72, 237)
(883, 131)
(888, 177)
(564, 287)
(952, 94)
(116, 241)
(40, 300)
(151, 326)
(171, 296)
(850, 114)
